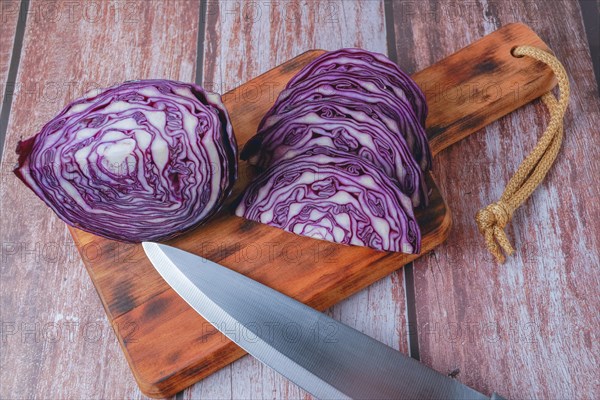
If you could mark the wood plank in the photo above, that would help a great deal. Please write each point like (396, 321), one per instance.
(525, 329)
(9, 15)
(264, 43)
(44, 285)
(590, 12)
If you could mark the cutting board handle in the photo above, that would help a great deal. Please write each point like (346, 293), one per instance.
(484, 81)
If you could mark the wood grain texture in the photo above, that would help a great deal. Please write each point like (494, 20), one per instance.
(173, 346)
(480, 84)
(9, 15)
(56, 340)
(527, 329)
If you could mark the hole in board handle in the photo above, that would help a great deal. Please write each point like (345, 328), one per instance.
(512, 52)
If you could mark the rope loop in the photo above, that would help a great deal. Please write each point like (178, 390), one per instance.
(492, 219)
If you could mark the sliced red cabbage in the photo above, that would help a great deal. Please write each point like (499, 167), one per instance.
(327, 195)
(368, 64)
(343, 152)
(362, 92)
(397, 115)
(145, 160)
(345, 127)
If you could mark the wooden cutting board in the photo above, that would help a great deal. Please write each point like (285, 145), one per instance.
(169, 346)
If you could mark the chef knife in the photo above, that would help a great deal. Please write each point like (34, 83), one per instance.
(323, 356)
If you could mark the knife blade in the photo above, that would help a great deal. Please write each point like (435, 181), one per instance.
(326, 358)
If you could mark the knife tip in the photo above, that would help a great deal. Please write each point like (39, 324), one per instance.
(148, 246)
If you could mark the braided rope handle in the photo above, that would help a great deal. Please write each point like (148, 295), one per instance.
(492, 219)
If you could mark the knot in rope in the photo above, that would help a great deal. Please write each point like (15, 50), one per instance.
(491, 221)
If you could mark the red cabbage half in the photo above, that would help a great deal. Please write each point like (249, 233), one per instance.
(145, 160)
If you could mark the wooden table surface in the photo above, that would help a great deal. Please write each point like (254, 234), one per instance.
(527, 329)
